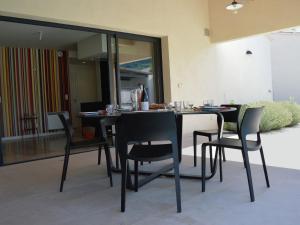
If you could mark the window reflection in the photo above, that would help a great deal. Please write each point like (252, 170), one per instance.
(136, 68)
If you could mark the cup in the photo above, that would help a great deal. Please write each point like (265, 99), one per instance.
(178, 106)
(186, 104)
(110, 109)
(144, 106)
(134, 99)
(208, 102)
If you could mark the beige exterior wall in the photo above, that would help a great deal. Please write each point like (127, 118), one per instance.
(256, 17)
(181, 23)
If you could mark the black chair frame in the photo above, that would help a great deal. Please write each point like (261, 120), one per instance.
(100, 142)
(249, 125)
(232, 117)
(143, 127)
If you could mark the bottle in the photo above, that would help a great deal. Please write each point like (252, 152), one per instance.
(134, 99)
(144, 100)
(140, 91)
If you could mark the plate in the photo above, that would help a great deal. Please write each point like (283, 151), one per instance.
(89, 113)
(213, 108)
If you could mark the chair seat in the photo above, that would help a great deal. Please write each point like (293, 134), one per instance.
(234, 143)
(150, 152)
(208, 133)
(86, 143)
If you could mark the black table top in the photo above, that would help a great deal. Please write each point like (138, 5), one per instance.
(184, 112)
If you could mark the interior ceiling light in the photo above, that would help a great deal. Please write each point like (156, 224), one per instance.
(234, 6)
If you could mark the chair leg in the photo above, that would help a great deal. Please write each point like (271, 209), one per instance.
(244, 159)
(195, 149)
(249, 177)
(65, 168)
(203, 166)
(108, 164)
(62, 176)
(117, 158)
(67, 164)
(220, 163)
(113, 138)
(149, 143)
(223, 153)
(136, 176)
(210, 155)
(123, 187)
(177, 182)
(211, 158)
(264, 166)
(99, 154)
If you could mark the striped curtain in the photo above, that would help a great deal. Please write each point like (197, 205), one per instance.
(33, 81)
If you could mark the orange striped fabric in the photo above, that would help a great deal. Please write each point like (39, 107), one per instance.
(33, 81)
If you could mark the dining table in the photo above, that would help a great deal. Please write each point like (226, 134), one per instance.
(150, 175)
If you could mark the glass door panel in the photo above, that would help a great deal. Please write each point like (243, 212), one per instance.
(136, 67)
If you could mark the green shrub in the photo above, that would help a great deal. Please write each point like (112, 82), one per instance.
(294, 108)
(276, 115)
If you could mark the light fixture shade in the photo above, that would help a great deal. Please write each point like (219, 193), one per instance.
(234, 6)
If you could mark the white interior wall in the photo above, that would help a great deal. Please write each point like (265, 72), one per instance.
(244, 78)
(240, 78)
(89, 47)
(83, 87)
(285, 52)
(233, 76)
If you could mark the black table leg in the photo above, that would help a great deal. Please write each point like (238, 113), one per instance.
(179, 135)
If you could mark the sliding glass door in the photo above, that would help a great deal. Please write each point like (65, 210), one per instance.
(135, 61)
(66, 68)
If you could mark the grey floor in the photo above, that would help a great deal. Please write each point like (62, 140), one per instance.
(29, 195)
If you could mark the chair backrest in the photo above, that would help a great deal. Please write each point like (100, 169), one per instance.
(147, 126)
(91, 106)
(232, 116)
(251, 121)
(67, 125)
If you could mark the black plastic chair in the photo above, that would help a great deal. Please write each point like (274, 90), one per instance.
(71, 144)
(249, 125)
(145, 127)
(232, 117)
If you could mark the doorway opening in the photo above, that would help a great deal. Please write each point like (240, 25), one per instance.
(48, 68)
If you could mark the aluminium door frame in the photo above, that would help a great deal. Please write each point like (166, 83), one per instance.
(157, 61)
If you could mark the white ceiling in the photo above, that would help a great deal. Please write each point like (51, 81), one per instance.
(28, 36)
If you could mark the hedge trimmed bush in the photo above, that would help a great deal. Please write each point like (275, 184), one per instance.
(295, 110)
(276, 115)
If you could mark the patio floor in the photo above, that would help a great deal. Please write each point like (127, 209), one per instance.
(29, 195)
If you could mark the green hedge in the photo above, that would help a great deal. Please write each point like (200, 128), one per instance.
(294, 109)
(276, 115)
